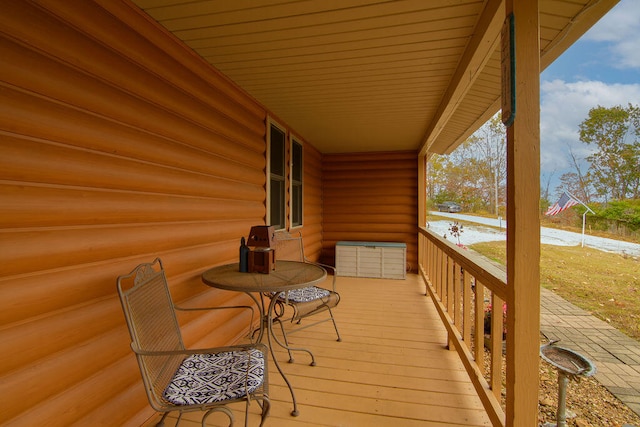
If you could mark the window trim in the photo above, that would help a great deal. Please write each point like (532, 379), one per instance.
(295, 140)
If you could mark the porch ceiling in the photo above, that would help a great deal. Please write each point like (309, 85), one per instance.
(368, 75)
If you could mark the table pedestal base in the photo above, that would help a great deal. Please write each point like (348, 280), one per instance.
(267, 323)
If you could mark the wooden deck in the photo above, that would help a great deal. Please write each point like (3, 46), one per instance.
(392, 367)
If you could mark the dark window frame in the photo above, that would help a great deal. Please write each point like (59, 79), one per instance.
(296, 183)
(276, 175)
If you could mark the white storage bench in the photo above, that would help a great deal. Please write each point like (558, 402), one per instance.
(385, 260)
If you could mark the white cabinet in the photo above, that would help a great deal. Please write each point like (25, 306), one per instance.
(386, 260)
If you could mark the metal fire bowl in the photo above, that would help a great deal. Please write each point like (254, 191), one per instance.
(567, 361)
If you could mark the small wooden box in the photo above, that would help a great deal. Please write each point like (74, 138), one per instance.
(261, 260)
(261, 236)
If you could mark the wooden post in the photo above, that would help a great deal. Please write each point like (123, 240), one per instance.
(523, 222)
(422, 213)
(422, 190)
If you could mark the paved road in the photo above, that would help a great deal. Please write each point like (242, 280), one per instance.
(549, 236)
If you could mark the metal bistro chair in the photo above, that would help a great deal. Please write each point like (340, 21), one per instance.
(179, 379)
(307, 301)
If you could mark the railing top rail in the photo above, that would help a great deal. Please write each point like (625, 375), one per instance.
(491, 276)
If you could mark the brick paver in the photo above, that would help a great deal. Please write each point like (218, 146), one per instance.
(616, 356)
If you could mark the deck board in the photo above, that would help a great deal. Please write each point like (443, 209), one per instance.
(391, 369)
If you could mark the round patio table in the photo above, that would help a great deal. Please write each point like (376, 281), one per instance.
(287, 276)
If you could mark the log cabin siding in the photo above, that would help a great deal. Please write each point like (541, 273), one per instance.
(117, 145)
(370, 197)
(312, 202)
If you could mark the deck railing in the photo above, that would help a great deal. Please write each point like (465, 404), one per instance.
(467, 290)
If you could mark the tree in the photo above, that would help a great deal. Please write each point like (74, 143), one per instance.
(570, 182)
(582, 188)
(614, 169)
(436, 172)
(490, 146)
(449, 179)
(474, 174)
(547, 183)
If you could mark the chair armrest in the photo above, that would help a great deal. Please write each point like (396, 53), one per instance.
(326, 267)
(224, 307)
(187, 352)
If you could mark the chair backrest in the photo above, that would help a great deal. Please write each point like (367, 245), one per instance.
(289, 247)
(153, 325)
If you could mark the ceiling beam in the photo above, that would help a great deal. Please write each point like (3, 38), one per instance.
(480, 48)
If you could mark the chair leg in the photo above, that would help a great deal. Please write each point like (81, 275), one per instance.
(161, 422)
(266, 406)
(246, 412)
(286, 341)
(290, 349)
(335, 326)
(222, 409)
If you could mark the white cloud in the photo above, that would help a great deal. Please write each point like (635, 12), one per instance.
(615, 43)
(563, 106)
(621, 29)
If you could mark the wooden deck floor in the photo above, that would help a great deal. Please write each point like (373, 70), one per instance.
(391, 368)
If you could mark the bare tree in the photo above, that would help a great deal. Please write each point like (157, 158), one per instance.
(547, 184)
(582, 187)
(474, 174)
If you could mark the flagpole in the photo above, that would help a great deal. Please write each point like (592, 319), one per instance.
(584, 215)
(584, 220)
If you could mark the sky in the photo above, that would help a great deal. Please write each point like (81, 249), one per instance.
(601, 69)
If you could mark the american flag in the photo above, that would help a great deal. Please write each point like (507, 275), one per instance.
(565, 201)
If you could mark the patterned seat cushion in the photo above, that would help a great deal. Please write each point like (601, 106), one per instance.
(310, 293)
(209, 378)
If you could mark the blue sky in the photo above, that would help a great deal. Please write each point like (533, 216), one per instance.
(602, 68)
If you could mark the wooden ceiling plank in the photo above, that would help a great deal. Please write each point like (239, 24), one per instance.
(330, 53)
(404, 69)
(172, 13)
(427, 83)
(436, 30)
(391, 64)
(337, 22)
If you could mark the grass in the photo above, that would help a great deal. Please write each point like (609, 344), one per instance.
(605, 284)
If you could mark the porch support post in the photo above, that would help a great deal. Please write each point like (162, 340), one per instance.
(523, 221)
(422, 190)
(422, 213)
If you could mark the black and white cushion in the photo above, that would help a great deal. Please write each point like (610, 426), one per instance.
(210, 378)
(310, 293)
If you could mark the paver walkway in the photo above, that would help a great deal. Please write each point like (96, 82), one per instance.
(616, 356)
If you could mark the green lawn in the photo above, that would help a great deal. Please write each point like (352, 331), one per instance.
(605, 284)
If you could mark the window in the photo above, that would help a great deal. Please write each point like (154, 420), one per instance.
(284, 178)
(276, 177)
(296, 183)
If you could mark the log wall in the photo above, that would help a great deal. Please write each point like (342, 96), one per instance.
(117, 145)
(370, 197)
(312, 203)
